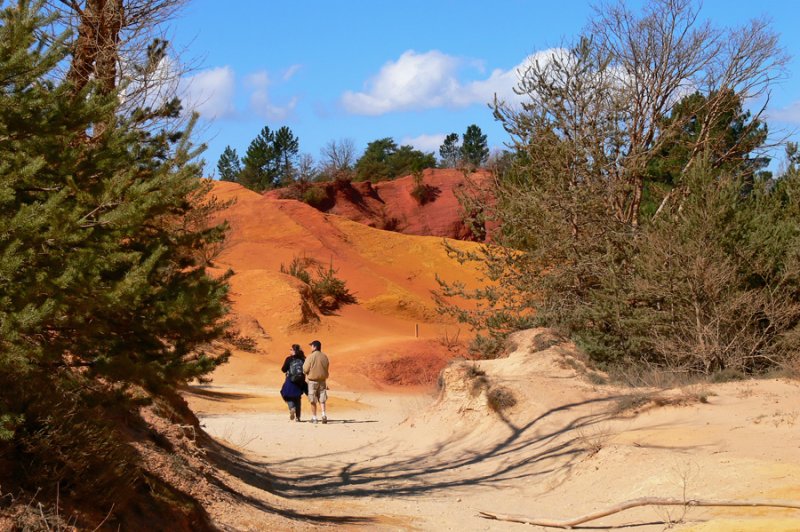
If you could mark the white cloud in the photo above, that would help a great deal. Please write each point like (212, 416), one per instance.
(414, 81)
(290, 72)
(257, 80)
(260, 101)
(789, 114)
(210, 92)
(426, 80)
(426, 143)
(502, 82)
(157, 88)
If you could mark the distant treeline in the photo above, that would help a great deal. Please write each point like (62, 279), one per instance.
(273, 159)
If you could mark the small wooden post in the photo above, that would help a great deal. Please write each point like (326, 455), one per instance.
(416, 330)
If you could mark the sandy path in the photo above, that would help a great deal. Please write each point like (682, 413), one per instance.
(368, 460)
(256, 419)
(386, 458)
(403, 461)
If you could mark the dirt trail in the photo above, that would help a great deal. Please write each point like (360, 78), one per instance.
(567, 448)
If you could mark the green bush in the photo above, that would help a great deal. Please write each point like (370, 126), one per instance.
(317, 197)
(487, 346)
(425, 193)
(328, 293)
(299, 268)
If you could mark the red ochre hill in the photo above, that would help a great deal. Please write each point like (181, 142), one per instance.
(391, 204)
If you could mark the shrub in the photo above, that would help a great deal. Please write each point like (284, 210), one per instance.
(299, 268)
(330, 292)
(317, 197)
(423, 192)
(327, 292)
(388, 223)
(240, 341)
(478, 379)
(500, 399)
(488, 346)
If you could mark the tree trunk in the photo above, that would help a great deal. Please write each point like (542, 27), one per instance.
(97, 47)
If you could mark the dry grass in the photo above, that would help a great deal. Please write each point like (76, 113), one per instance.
(450, 341)
(408, 370)
(639, 402)
(477, 376)
(500, 399)
(593, 439)
(545, 340)
(568, 361)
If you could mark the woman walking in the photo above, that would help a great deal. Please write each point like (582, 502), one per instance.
(294, 386)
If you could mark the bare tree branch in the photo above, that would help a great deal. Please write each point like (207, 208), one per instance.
(646, 501)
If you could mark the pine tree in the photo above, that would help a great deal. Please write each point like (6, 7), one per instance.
(374, 165)
(286, 148)
(407, 160)
(260, 170)
(229, 166)
(474, 150)
(450, 151)
(102, 284)
(383, 160)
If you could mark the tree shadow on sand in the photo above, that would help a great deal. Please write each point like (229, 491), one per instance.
(378, 473)
(534, 450)
(447, 465)
(255, 474)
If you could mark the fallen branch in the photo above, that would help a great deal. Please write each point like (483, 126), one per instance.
(645, 501)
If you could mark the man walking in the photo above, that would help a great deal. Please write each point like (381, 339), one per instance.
(316, 369)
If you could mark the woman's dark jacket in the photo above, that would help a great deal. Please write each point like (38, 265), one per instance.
(290, 390)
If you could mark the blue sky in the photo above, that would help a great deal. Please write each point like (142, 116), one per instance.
(412, 70)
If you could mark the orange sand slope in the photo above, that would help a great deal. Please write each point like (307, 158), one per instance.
(391, 275)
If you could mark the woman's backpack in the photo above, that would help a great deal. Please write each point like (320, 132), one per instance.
(296, 374)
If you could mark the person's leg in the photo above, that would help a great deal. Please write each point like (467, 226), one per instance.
(313, 398)
(323, 398)
(292, 402)
(299, 404)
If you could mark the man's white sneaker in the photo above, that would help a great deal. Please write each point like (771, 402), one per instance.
(324, 419)
(314, 419)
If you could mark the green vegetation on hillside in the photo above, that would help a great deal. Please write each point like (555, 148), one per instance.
(327, 292)
(384, 160)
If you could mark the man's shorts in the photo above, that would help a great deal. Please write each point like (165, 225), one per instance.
(317, 392)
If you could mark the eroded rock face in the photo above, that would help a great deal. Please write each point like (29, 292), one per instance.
(464, 383)
(390, 205)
